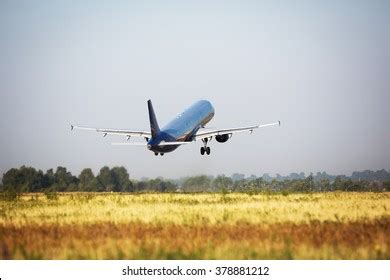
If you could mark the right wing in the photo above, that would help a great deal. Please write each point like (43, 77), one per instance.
(206, 133)
(105, 131)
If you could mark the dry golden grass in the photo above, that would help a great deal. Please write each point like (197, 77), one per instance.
(197, 226)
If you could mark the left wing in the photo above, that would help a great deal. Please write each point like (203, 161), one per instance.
(206, 133)
(106, 131)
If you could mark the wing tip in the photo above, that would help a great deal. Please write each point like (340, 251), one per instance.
(71, 127)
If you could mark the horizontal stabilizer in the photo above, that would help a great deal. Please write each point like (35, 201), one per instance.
(145, 144)
(130, 144)
(173, 143)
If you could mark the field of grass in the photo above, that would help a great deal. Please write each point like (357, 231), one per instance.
(196, 226)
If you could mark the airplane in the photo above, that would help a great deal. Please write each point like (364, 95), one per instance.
(186, 128)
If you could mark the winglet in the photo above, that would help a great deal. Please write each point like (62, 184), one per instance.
(154, 128)
(71, 127)
(279, 123)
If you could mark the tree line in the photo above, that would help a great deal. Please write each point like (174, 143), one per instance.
(222, 183)
(117, 179)
(366, 175)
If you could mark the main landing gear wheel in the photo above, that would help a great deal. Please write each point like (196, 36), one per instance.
(161, 154)
(156, 154)
(205, 150)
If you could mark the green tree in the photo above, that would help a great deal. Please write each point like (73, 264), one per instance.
(386, 186)
(87, 181)
(338, 184)
(49, 179)
(160, 185)
(222, 182)
(12, 180)
(24, 179)
(115, 179)
(324, 185)
(197, 184)
(257, 184)
(104, 179)
(120, 179)
(63, 179)
(309, 183)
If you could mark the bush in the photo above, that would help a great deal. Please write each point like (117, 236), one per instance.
(9, 195)
(51, 195)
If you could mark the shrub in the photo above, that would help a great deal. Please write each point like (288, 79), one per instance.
(9, 195)
(51, 195)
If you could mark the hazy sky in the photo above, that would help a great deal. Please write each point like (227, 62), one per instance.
(323, 69)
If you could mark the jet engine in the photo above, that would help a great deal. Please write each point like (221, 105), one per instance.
(222, 138)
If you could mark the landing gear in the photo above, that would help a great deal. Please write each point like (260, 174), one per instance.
(161, 154)
(205, 149)
(156, 154)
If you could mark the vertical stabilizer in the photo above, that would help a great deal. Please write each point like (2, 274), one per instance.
(154, 128)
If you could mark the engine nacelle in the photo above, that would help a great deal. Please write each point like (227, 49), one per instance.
(222, 138)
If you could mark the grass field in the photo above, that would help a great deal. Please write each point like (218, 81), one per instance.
(196, 226)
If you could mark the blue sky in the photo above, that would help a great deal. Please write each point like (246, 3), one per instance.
(321, 68)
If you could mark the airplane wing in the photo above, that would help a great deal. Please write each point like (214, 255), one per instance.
(206, 133)
(105, 131)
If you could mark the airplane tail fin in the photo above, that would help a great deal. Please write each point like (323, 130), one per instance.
(154, 128)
